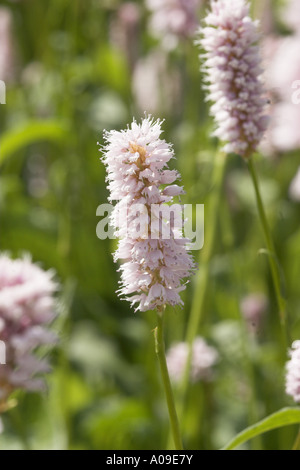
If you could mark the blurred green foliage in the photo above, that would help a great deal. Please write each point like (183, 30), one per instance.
(72, 81)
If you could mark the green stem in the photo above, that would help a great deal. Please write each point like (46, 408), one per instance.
(273, 260)
(160, 351)
(248, 343)
(296, 445)
(202, 277)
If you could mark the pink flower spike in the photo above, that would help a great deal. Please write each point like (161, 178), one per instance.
(154, 265)
(27, 306)
(233, 72)
(293, 372)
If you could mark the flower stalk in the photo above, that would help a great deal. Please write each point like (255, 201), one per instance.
(160, 351)
(272, 257)
(202, 276)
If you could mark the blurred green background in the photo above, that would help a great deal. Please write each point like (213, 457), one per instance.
(79, 67)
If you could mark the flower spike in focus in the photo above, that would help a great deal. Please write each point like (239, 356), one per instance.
(154, 267)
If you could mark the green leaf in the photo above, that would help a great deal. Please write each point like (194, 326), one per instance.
(26, 134)
(281, 418)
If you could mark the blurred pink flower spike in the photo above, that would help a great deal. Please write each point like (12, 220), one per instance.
(27, 307)
(204, 357)
(254, 308)
(173, 20)
(282, 61)
(293, 372)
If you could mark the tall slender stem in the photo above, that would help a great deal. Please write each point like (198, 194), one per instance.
(202, 277)
(160, 351)
(248, 344)
(273, 260)
(201, 282)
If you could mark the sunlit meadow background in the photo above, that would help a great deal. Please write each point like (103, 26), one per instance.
(73, 69)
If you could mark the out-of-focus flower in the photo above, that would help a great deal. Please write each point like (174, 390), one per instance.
(156, 88)
(293, 372)
(124, 31)
(282, 71)
(294, 190)
(7, 51)
(291, 14)
(253, 308)
(283, 134)
(173, 19)
(284, 66)
(204, 357)
(155, 265)
(233, 72)
(26, 309)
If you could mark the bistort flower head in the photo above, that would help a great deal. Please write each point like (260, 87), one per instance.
(293, 373)
(139, 180)
(233, 72)
(26, 309)
(204, 357)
